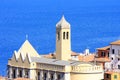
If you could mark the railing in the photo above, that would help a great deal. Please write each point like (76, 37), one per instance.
(87, 69)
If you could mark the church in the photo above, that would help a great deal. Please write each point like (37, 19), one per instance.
(28, 63)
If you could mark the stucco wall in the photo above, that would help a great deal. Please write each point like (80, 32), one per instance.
(80, 76)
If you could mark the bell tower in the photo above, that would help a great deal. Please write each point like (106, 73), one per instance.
(63, 40)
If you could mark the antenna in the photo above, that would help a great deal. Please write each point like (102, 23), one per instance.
(26, 37)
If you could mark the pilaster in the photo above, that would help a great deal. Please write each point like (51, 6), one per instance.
(41, 74)
(55, 76)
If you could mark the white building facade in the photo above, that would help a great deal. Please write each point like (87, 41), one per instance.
(114, 64)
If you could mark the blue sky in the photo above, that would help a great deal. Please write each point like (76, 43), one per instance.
(38, 18)
(50, 5)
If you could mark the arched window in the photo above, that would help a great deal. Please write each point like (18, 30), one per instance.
(67, 35)
(63, 35)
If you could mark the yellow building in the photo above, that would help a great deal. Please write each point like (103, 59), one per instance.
(27, 63)
(111, 75)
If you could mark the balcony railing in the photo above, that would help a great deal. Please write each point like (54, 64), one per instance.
(86, 69)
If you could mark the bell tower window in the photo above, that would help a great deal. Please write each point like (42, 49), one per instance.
(67, 35)
(63, 35)
(58, 35)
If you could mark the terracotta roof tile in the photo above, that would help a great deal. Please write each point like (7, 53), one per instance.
(49, 55)
(52, 55)
(86, 58)
(104, 48)
(74, 53)
(109, 72)
(102, 59)
(115, 42)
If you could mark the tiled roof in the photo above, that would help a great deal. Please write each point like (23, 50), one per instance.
(115, 43)
(86, 58)
(109, 72)
(104, 48)
(74, 53)
(102, 59)
(52, 55)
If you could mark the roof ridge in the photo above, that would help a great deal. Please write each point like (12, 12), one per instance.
(27, 48)
(63, 23)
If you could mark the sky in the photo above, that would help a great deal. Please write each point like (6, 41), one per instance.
(15, 15)
(54, 5)
(33, 17)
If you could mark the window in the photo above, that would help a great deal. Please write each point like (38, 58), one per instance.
(20, 73)
(51, 76)
(115, 76)
(107, 76)
(38, 75)
(108, 54)
(67, 35)
(118, 66)
(111, 58)
(58, 35)
(118, 59)
(45, 76)
(102, 54)
(113, 51)
(63, 35)
(112, 66)
(26, 74)
(14, 72)
(58, 76)
(118, 52)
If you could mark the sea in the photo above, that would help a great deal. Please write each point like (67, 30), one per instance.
(92, 26)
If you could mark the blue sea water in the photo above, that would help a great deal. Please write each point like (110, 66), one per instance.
(93, 24)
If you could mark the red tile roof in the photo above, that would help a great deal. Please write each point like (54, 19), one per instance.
(104, 48)
(115, 42)
(49, 55)
(102, 59)
(74, 53)
(109, 72)
(52, 55)
(86, 58)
